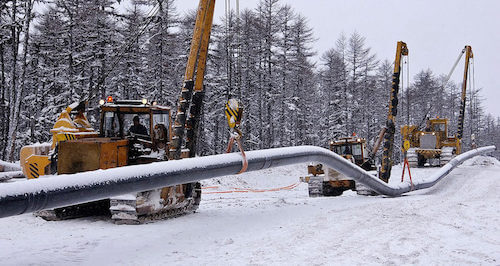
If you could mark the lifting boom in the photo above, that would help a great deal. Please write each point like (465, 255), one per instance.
(190, 100)
(385, 171)
(432, 145)
(468, 56)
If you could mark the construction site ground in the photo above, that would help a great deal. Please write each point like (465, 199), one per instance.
(267, 218)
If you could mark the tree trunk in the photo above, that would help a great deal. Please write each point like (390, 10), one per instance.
(12, 95)
(3, 106)
(22, 85)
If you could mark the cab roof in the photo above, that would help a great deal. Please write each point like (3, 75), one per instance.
(347, 140)
(132, 107)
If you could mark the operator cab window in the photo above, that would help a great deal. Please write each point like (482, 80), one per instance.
(439, 127)
(346, 150)
(161, 118)
(336, 149)
(136, 124)
(356, 151)
(161, 124)
(111, 125)
(365, 153)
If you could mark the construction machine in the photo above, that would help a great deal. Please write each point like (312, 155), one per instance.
(329, 182)
(432, 145)
(332, 183)
(386, 164)
(131, 132)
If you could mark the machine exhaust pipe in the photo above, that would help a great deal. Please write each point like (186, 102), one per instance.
(63, 190)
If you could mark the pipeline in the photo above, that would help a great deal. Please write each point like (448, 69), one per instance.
(63, 190)
(4, 176)
(7, 167)
(9, 171)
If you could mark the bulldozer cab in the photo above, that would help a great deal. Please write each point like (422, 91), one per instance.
(147, 127)
(348, 148)
(439, 126)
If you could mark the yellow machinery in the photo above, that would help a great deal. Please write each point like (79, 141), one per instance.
(333, 183)
(328, 182)
(190, 101)
(36, 159)
(117, 144)
(385, 169)
(131, 132)
(433, 145)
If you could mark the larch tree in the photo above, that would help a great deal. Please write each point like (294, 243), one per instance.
(20, 39)
(331, 83)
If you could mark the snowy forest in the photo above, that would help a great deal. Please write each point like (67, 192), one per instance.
(55, 52)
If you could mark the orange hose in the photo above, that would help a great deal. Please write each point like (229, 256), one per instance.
(245, 190)
(245, 161)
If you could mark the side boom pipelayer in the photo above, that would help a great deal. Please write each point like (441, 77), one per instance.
(385, 170)
(29, 196)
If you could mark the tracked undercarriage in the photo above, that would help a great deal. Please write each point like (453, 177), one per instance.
(156, 204)
(434, 157)
(135, 208)
(332, 188)
(446, 155)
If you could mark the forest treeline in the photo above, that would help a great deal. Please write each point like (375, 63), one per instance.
(55, 52)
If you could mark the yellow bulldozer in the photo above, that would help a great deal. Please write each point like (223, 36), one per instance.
(432, 145)
(131, 132)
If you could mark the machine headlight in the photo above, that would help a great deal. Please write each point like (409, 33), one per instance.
(101, 102)
(144, 101)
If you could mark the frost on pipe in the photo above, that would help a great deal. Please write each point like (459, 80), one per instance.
(7, 167)
(63, 190)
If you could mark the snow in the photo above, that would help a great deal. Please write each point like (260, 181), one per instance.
(455, 222)
(9, 166)
(10, 174)
(38, 144)
(233, 103)
(73, 105)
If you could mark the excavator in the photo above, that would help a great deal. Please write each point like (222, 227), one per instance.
(131, 132)
(432, 145)
(331, 182)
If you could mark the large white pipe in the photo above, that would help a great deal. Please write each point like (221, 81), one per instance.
(63, 190)
(7, 167)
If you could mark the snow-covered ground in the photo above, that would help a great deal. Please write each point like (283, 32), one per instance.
(456, 222)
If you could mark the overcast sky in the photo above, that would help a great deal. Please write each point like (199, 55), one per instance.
(435, 31)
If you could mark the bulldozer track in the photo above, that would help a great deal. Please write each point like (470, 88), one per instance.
(126, 211)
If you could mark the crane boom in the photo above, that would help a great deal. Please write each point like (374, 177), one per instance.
(385, 171)
(468, 56)
(190, 100)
